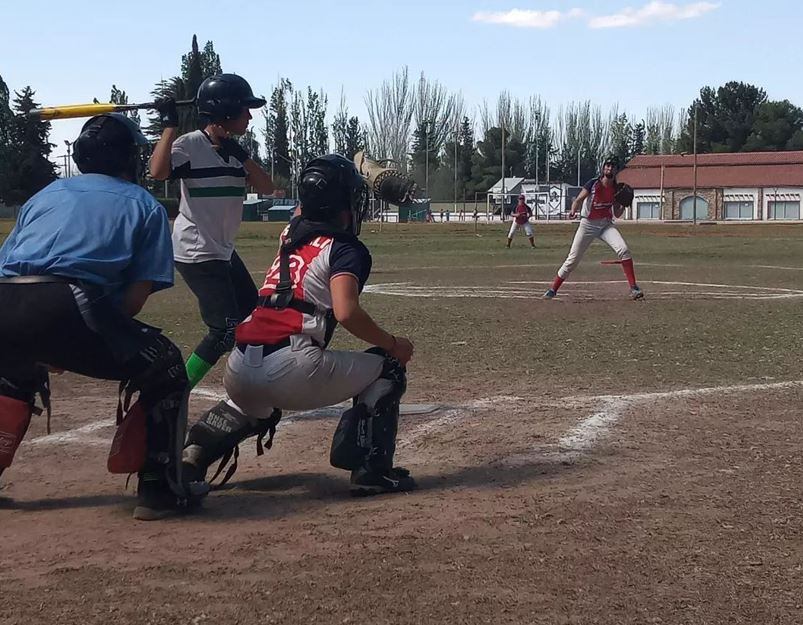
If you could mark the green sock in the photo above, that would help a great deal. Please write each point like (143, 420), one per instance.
(197, 368)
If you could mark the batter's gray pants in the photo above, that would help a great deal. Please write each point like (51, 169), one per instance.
(587, 231)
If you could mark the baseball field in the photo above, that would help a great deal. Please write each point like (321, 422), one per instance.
(589, 459)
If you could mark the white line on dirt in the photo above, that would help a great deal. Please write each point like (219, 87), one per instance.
(514, 290)
(576, 441)
(583, 436)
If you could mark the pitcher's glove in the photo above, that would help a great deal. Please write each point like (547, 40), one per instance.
(623, 195)
(386, 180)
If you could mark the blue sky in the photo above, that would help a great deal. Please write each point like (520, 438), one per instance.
(638, 53)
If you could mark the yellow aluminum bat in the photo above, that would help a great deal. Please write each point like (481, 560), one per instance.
(71, 111)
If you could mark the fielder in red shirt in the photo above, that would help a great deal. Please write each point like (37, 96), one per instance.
(521, 220)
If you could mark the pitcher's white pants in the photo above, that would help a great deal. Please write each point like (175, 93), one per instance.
(587, 231)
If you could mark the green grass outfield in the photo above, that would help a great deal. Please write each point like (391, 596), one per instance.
(493, 333)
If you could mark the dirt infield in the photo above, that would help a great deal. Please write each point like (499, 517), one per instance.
(590, 460)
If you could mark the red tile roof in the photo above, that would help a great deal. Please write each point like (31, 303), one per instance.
(744, 169)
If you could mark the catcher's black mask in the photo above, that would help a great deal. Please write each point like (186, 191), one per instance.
(329, 185)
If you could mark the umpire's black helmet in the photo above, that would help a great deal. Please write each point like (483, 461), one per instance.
(225, 96)
(109, 144)
(329, 185)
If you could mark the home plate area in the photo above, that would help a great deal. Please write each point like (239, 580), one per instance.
(597, 290)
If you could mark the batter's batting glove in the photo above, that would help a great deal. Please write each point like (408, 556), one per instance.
(229, 147)
(168, 113)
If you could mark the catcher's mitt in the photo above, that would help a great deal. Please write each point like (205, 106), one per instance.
(623, 195)
(386, 180)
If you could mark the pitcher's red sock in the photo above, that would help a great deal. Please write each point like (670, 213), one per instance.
(556, 283)
(627, 267)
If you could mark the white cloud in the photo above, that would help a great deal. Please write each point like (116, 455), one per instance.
(656, 11)
(523, 18)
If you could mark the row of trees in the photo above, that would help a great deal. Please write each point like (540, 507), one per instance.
(430, 132)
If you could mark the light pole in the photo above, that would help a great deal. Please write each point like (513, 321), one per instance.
(427, 122)
(67, 161)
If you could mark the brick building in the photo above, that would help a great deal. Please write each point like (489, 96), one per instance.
(757, 186)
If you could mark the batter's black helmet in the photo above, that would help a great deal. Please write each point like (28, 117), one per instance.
(225, 96)
(109, 144)
(329, 185)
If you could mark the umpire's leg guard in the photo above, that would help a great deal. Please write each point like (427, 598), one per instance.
(15, 417)
(17, 405)
(150, 435)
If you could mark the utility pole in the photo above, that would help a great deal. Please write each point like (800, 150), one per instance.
(694, 168)
(426, 157)
(502, 209)
(456, 139)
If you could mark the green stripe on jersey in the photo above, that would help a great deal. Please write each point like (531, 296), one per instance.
(217, 191)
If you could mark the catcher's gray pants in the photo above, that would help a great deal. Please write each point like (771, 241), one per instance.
(300, 377)
(587, 231)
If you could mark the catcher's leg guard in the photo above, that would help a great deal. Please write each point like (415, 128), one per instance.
(218, 433)
(365, 439)
(15, 417)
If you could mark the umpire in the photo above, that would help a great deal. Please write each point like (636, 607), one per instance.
(84, 256)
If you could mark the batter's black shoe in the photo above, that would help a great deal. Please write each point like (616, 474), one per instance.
(155, 499)
(636, 293)
(366, 482)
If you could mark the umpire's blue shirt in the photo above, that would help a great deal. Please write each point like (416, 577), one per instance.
(95, 228)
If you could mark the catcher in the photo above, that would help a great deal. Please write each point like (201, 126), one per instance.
(84, 256)
(602, 199)
(281, 360)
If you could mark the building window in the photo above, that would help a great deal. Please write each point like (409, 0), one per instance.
(648, 210)
(784, 209)
(687, 208)
(738, 210)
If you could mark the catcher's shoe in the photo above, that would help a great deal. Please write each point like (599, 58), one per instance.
(636, 293)
(155, 499)
(550, 294)
(366, 481)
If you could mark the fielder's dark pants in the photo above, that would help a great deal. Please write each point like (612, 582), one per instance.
(41, 324)
(226, 295)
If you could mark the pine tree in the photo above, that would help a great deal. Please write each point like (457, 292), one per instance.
(6, 135)
(118, 96)
(276, 127)
(355, 138)
(210, 61)
(28, 168)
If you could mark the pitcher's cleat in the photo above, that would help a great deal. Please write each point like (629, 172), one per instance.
(636, 293)
(550, 294)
